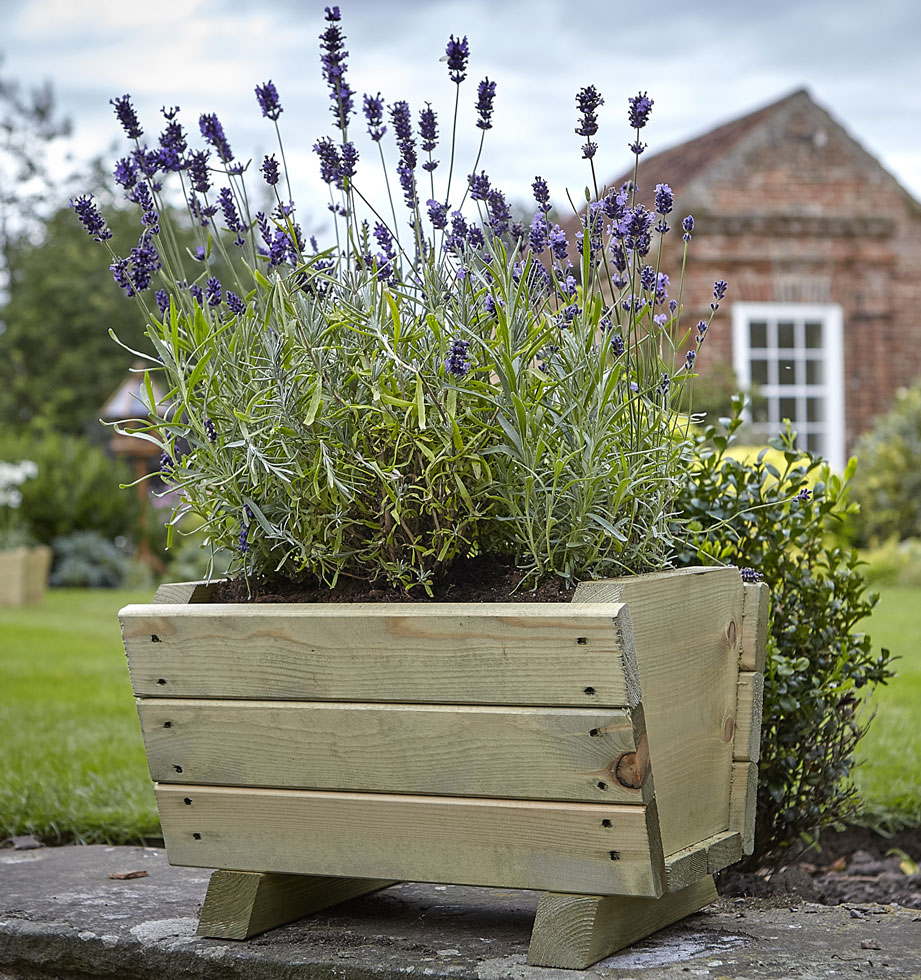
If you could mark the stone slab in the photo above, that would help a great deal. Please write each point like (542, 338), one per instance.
(63, 918)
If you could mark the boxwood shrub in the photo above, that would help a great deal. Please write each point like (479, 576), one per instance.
(821, 666)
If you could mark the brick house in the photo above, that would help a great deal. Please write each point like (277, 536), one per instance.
(822, 251)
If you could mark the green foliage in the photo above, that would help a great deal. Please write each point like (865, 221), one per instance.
(57, 363)
(820, 667)
(87, 560)
(894, 563)
(888, 483)
(76, 487)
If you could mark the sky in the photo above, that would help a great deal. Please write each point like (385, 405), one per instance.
(703, 62)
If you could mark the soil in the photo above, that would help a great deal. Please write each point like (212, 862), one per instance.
(853, 866)
(480, 579)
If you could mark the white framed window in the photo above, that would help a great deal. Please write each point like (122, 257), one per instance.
(792, 354)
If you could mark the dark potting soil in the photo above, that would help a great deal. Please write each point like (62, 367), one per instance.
(853, 866)
(480, 579)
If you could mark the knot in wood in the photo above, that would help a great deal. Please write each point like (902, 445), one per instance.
(731, 633)
(629, 772)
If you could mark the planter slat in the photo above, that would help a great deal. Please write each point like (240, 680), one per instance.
(687, 633)
(516, 653)
(592, 848)
(747, 740)
(455, 750)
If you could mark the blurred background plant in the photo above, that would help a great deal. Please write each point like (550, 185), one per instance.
(14, 531)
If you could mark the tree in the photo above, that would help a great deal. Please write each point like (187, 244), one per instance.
(57, 361)
(29, 123)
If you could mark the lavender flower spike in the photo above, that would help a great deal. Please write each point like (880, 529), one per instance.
(213, 132)
(127, 116)
(486, 93)
(640, 107)
(373, 107)
(90, 218)
(456, 54)
(267, 97)
(457, 362)
(665, 200)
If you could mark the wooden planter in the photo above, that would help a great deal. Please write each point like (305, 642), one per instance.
(23, 575)
(602, 751)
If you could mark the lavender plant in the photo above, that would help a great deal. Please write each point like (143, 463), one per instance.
(439, 382)
(13, 531)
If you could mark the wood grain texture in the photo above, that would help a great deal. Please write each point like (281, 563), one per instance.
(514, 653)
(574, 754)
(240, 904)
(743, 801)
(746, 745)
(756, 613)
(575, 931)
(170, 593)
(686, 630)
(512, 844)
(688, 865)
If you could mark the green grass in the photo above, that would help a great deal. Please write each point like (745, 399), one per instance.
(889, 776)
(72, 761)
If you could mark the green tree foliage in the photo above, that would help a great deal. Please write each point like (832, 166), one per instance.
(57, 362)
(888, 485)
(821, 667)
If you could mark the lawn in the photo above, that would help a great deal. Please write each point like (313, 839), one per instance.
(71, 755)
(889, 776)
(73, 762)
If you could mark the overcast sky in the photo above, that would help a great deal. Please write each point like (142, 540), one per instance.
(702, 61)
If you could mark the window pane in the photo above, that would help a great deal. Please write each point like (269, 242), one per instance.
(760, 410)
(786, 372)
(815, 409)
(814, 442)
(757, 332)
(814, 372)
(759, 372)
(786, 335)
(813, 334)
(787, 408)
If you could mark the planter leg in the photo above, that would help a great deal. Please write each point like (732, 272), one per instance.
(240, 904)
(575, 931)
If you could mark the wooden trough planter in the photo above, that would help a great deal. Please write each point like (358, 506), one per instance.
(602, 751)
(24, 575)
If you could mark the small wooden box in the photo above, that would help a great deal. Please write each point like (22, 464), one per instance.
(24, 575)
(603, 751)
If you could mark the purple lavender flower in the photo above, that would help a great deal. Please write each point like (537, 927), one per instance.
(673, 306)
(664, 384)
(537, 234)
(213, 133)
(648, 278)
(210, 429)
(637, 229)
(151, 216)
(127, 116)
(197, 294)
(438, 214)
(428, 128)
(637, 147)
(199, 253)
(665, 200)
(213, 291)
(267, 97)
(172, 146)
(126, 173)
(640, 107)
(662, 280)
(719, 289)
(269, 170)
(479, 186)
(330, 163)
(457, 52)
(486, 93)
(588, 99)
(373, 107)
(119, 270)
(617, 344)
(500, 215)
(702, 326)
(558, 243)
(407, 183)
(541, 194)
(689, 359)
(145, 261)
(456, 239)
(349, 162)
(688, 225)
(243, 539)
(750, 576)
(229, 208)
(334, 66)
(198, 171)
(475, 237)
(804, 494)
(162, 298)
(90, 218)
(457, 362)
(234, 303)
